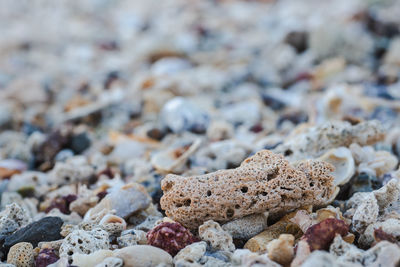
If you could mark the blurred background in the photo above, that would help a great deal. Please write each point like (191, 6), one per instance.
(244, 70)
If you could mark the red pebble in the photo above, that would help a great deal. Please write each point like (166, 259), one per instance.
(46, 257)
(171, 237)
(62, 203)
(320, 235)
(381, 235)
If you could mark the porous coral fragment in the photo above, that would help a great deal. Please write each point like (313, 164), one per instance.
(315, 141)
(263, 182)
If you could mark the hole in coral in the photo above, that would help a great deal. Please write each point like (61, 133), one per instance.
(272, 175)
(264, 193)
(286, 188)
(211, 156)
(244, 189)
(253, 202)
(67, 178)
(80, 241)
(229, 213)
(70, 253)
(288, 152)
(187, 202)
(168, 186)
(311, 184)
(178, 205)
(209, 193)
(237, 206)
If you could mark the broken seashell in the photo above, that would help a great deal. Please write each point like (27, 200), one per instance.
(342, 159)
(109, 218)
(172, 160)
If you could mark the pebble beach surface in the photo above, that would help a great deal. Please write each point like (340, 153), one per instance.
(222, 133)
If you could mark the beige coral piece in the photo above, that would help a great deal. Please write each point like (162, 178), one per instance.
(263, 182)
(219, 239)
(315, 141)
(21, 255)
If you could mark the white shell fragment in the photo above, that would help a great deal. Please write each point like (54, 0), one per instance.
(342, 159)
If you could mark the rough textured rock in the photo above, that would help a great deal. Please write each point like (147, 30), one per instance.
(324, 259)
(191, 255)
(263, 182)
(317, 140)
(76, 169)
(364, 209)
(247, 227)
(131, 238)
(21, 255)
(383, 253)
(83, 242)
(143, 256)
(390, 227)
(46, 229)
(12, 218)
(219, 239)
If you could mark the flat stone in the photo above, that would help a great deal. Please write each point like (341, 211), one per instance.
(46, 229)
(143, 256)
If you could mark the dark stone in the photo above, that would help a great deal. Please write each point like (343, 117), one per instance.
(156, 134)
(297, 39)
(112, 76)
(272, 102)
(380, 28)
(53, 144)
(80, 143)
(364, 183)
(296, 117)
(46, 229)
(62, 203)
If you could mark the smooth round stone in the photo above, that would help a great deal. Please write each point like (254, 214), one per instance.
(143, 256)
(180, 114)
